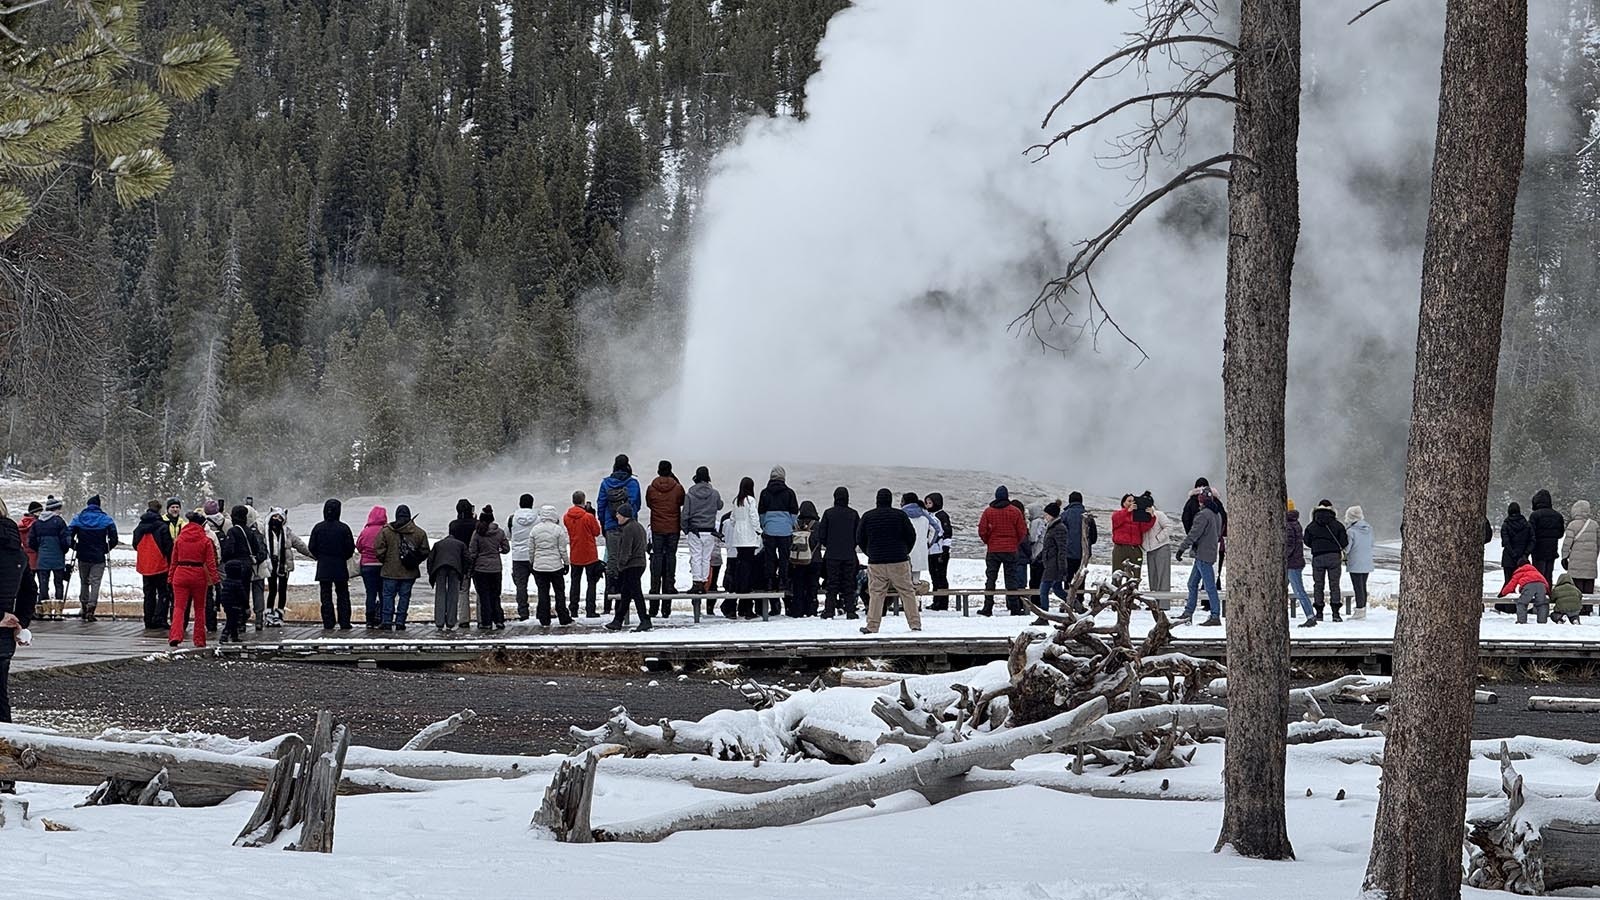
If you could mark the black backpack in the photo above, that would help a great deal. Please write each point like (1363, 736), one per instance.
(411, 556)
(616, 496)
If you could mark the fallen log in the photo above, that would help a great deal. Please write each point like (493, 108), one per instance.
(798, 803)
(425, 738)
(1327, 730)
(1563, 704)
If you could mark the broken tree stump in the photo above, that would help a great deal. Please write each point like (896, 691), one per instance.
(277, 811)
(118, 791)
(1533, 845)
(425, 738)
(322, 791)
(564, 814)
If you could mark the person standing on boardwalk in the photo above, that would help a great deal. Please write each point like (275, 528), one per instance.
(616, 489)
(1053, 546)
(1580, 547)
(462, 527)
(549, 550)
(1157, 548)
(1294, 561)
(1205, 537)
(332, 546)
(779, 509)
(835, 536)
(371, 566)
(887, 537)
(152, 548)
(488, 544)
(1002, 529)
(94, 536)
(1548, 530)
(582, 531)
(519, 530)
(1359, 558)
(1516, 540)
(742, 533)
(664, 498)
(48, 538)
(447, 566)
(701, 504)
(633, 546)
(402, 547)
(939, 556)
(192, 573)
(1327, 540)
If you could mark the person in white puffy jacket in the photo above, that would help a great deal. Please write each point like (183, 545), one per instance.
(742, 534)
(548, 556)
(519, 529)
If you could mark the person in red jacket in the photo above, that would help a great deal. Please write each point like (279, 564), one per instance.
(1532, 590)
(583, 527)
(1127, 534)
(192, 572)
(1002, 528)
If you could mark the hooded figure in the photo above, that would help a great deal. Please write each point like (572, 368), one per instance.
(778, 505)
(401, 548)
(549, 544)
(192, 571)
(367, 541)
(1566, 601)
(1358, 556)
(1580, 547)
(333, 547)
(616, 489)
(1516, 539)
(664, 498)
(466, 520)
(928, 531)
(152, 547)
(16, 598)
(1548, 530)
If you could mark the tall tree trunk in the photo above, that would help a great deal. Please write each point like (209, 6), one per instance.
(1416, 845)
(1263, 227)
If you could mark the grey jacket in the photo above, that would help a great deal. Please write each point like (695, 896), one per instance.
(1203, 537)
(1580, 546)
(632, 546)
(700, 506)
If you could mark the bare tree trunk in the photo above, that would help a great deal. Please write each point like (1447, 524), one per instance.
(1263, 228)
(1416, 846)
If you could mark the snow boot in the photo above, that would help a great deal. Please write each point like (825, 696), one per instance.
(1310, 622)
(1336, 616)
(1358, 613)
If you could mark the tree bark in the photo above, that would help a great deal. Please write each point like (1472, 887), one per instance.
(1416, 846)
(1263, 228)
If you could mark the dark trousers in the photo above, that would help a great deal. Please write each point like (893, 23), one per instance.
(335, 592)
(520, 570)
(1358, 583)
(487, 587)
(775, 559)
(1015, 579)
(278, 592)
(939, 575)
(549, 583)
(664, 564)
(214, 605)
(1035, 574)
(372, 580)
(631, 590)
(1546, 568)
(45, 578)
(157, 601)
(591, 574)
(1584, 585)
(744, 576)
(5, 689)
(1326, 572)
(804, 579)
(235, 601)
(840, 577)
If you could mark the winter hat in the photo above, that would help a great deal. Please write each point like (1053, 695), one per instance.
(1514, 509)
(702, 475)
(278, 512)
(841, 495)
(464, 508)
(52, 503)
(620, 464)
(1053, 509)
(195, 517)
(624, 511)
(664, 468)
(35, 507)
(1325, 504)
(153, 506)
(1288, 505)
(212, 507)
(488, 513)
(547, 513)
(885, 497)
(1353, 514)
(1074, 497)
(1001, 494)
(524, 502)
(402, 513)
(778, 474)
(174, 501)
(908, 498)
(93, 501)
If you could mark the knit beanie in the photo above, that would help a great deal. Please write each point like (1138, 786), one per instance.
(174, 501)
(212, 507)
(1074, 497)
(624, 511)
(778, 474)
(620, 464)
(94, 501)
(52, 503)
(1001, 494)
(402, 513)
(35, 507)
(909, 498)
(1053, 509)
(1289, 505)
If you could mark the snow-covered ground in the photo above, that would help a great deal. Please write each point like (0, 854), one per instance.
(471, 839)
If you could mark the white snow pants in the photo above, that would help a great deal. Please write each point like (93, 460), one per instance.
(700, 547)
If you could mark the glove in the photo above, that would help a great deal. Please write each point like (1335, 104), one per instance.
(1178, 557)
(565, 569)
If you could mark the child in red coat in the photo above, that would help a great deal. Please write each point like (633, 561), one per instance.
(1532, 590)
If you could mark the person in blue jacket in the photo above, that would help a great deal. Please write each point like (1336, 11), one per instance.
(49, 540)
(779, 509)
(616, 489)
(93, 535)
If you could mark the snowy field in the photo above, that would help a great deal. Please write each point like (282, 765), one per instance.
(471, 839)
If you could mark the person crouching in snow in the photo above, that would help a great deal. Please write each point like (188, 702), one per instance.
(1566, 599)
(1532, 590)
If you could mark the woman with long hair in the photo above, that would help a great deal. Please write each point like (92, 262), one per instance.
(742, 532)
(489, 543)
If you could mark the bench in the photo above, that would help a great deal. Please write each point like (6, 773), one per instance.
(695, 601)
(964, 596)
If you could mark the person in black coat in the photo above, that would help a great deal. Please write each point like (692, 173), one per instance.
(238, 568)
(886, 535)
(835, 535)
(939, 556)
(1057, 567)
(1191, 508)
(331, 546)
(1548, 526)
(1516, 540)
(1326, 538)
(17, 595)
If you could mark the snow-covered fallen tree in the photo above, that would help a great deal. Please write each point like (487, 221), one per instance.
(1531, 845)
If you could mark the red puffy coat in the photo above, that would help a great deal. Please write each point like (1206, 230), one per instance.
(1002, 527)
(194, 556)
(1527, 574)
(1128, 531)
(582, 529)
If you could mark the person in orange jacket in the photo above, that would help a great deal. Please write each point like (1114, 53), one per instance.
(152, 547)
(583, 527)
(1532, 590)
(191, 572)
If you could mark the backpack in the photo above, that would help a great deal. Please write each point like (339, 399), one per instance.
(258, 545)
(800, 550)
(616, 496)
(411, 556)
